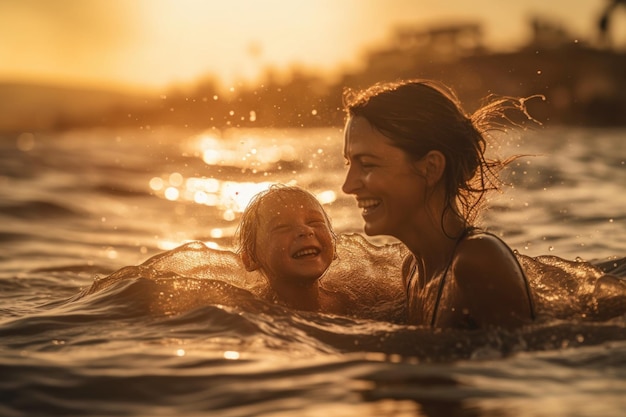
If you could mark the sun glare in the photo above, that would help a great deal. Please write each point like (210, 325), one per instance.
(235, 40)
(162, 43)
(246, 153)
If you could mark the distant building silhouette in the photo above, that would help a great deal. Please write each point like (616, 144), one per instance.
(442, 42)
(548, 34)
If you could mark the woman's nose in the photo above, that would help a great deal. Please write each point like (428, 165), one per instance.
(350, 183)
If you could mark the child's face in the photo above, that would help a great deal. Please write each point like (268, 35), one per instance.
(294, 241)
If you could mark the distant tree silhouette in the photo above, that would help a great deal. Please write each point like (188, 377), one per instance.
(605, 20)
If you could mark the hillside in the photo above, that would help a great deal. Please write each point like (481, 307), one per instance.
(42, 107)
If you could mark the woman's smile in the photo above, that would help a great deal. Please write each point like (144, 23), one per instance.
(368, 206)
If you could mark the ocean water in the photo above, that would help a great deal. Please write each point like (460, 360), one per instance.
(120, 295)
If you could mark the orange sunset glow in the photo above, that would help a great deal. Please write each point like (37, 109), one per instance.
(244, 63)
(151, 44)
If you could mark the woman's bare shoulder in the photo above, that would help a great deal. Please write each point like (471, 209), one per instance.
(491, 281)
(480, 242)
(484, 257)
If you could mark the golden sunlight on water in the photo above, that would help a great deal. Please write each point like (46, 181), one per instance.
(248, 153)
(230, 197)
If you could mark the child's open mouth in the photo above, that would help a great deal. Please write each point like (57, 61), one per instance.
(308, 252)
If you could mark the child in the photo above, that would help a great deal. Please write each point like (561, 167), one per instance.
(286, 234)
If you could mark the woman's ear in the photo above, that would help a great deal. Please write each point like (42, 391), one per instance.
(248, 262)
(432, 166)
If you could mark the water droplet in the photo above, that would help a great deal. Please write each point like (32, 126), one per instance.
(231, 354)
(176, 179)
(156, 183)
(171, 193)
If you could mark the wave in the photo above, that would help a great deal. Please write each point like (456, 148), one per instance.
(196, 290)
(37, 209)
(223, 317)
(369, 276)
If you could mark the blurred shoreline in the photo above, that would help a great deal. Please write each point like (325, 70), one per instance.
(583, 85)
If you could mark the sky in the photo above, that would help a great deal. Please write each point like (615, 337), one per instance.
(153, 44)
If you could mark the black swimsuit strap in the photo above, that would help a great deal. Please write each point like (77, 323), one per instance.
(410, 280)
(443, 278)
(442, 283)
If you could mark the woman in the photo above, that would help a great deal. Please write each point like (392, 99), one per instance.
(417, 168)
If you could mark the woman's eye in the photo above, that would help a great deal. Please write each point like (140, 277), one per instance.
(367, 164)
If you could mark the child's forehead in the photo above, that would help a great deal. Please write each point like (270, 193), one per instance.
(273, 203)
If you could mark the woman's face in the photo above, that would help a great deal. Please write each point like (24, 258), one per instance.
(294, 242)
(387, 186)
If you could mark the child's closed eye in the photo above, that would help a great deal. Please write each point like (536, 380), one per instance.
(280, 228)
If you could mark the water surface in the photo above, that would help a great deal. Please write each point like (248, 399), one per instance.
(119, 296)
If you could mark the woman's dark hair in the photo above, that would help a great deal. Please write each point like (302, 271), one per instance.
(419, 116)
